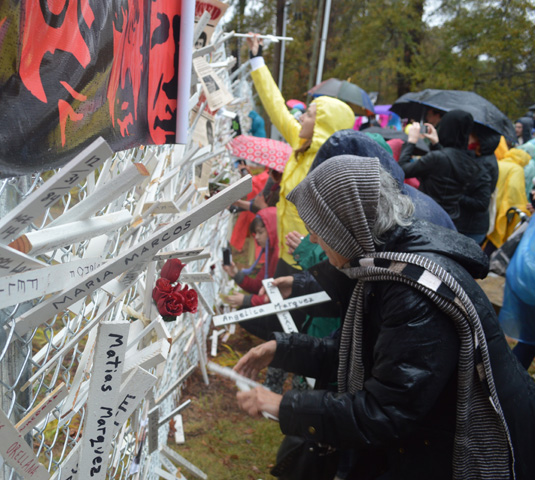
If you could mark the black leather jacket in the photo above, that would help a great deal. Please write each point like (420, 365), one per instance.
(403, 421)
(474, 214)
(445, 176)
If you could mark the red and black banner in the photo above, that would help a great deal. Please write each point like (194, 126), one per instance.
(74, 70)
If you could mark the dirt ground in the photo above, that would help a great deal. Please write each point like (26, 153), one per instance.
(220, 439)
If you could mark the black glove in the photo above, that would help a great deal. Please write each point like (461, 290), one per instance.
(258, 54)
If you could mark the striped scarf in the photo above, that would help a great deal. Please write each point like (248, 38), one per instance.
(482, 445)
(338, 201)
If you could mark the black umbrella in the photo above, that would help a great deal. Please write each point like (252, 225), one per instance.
(486, 115)
(421, 148)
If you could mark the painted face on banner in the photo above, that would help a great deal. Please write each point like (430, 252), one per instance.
(128, 67)
(163, 70)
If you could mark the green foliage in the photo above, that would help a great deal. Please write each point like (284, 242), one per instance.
(486, 46)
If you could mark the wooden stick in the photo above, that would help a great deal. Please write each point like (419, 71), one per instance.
(273, 38)
(37, 413)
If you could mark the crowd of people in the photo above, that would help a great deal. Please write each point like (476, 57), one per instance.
(414, 375)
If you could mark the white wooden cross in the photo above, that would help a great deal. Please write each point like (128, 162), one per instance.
(133, 391)
(53, 189)
(285, 317)
(104, 195)
(270, 308)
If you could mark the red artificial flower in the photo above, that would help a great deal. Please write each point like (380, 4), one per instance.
(162, 288)
(172, 304)
(191, 300)
(171, 269)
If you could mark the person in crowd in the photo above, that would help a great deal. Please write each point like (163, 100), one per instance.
(433, 116)
(371, 122)
(306, 255)
(427, 386)
(474, 216)
(324, 116)
(523, 129)
(358, 145)
(516, 314)
(510, 192)
(244, 210)
(264, 230)
(258, 125)
(268, 197)
(445, 174)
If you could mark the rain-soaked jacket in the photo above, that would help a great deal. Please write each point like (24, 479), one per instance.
(331, 115)
(253, 285)
(402, 424)
(474, 214)
(511, 192)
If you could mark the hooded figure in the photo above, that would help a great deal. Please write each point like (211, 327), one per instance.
(446, 173)
(510, 192)
(331, 115)
(358, 144)
(427, 386)
(271, 255)
(258, 128)
(523, 127)
(474, 219)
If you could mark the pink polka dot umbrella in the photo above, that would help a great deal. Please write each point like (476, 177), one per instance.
(264, 151)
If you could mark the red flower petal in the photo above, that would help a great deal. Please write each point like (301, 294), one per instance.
(171, 269)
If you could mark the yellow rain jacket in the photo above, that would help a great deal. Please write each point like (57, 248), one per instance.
(511, 192)
(331, 115)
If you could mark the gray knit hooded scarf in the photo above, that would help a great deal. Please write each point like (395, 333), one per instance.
(338, 202)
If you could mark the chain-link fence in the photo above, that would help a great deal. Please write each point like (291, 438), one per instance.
(60, 350)
(46, 371)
